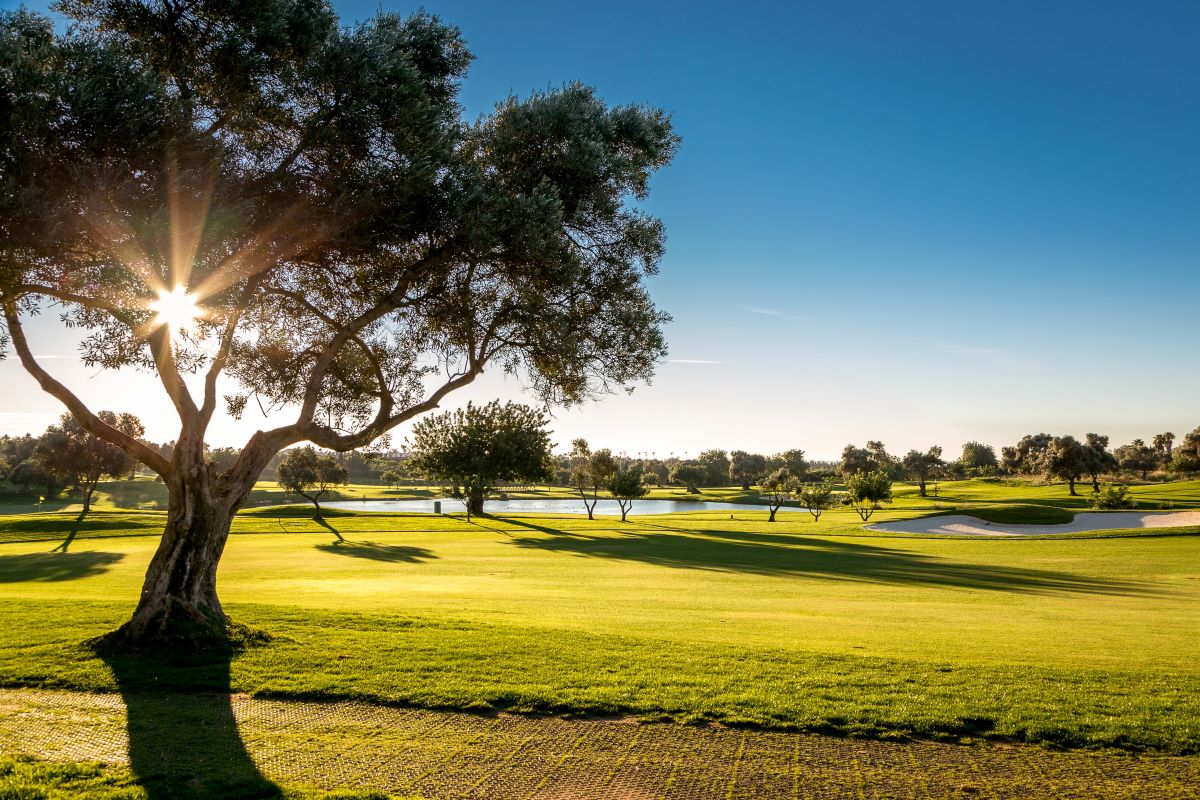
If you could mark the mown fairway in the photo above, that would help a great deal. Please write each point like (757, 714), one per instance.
(1087, 640)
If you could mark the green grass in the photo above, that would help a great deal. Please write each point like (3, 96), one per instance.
(1075, 641)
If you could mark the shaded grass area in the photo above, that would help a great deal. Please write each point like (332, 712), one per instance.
(1020, 514)
(23, 778)
(466, 665)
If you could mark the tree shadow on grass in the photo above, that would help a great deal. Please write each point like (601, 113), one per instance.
(185, 745)
(71, 534)
(830, 559)
(48, 567)
(396, 553)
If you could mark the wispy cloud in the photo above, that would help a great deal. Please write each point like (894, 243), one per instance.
(998, 357)
(693, 361)
(771, 312)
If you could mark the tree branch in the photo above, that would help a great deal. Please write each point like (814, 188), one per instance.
(94, 425)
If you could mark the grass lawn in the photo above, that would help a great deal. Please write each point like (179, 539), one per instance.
(1078, 641)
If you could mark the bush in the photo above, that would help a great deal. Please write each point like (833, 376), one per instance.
(1110, 497)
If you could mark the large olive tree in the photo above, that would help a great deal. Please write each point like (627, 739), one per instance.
(266, 209)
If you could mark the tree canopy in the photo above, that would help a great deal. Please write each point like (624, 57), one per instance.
(478, 448)
(311, 474)
(297, 213)
(83, 459)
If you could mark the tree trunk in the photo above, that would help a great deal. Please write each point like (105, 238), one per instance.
(1071, 483)
(474, 504)
(1095, 483)
(589, 506)
(773, 510)
(87, 497)
(178, 608)
(922, 484)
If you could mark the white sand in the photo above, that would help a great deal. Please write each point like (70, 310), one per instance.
(962, 525)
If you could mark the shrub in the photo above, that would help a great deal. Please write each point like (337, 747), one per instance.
(1110, 497)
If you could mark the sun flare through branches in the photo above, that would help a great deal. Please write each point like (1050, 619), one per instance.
(175, 308)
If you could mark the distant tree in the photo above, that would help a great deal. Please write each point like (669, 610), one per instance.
(390, 478)
(1066, 459)
(791, 460)
(590, 472)
(1186, 457)
(745, 468)
(1098, 461)
(82, 459)
(854, 460)
(15, 449)
(479, 447)
(30, 474)
(1027, 455)
(1163, 445)
(1136, 457)
(979, 458)
(881, 459)
(222, 458)
(920, 467)
(817, 497)
(716, 467)
(625, 485)
(311, 474)
(655, 470)
(689, 474)
(777, 489)
(866, 490)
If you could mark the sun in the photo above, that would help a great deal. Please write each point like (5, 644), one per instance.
(175, 308)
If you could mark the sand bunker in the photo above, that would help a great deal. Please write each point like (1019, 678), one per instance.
(962, 525)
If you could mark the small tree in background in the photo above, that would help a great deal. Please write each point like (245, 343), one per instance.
(791, 460)
(1027, 454)
(1136, 457)
(1186, 458)
(746, 469)
(311, 474)
(390, 478)
(854, 460)
(716, 467)
(479, 447)
(689, 474)
(625, 485)
(920, 467)
(31, 474)
(1097, 459)
(817, 497)
(979, 459)
(590, 472)
(777, 489)
(866, 490)
(1163, 443)
(69, 450)
(1066, 459)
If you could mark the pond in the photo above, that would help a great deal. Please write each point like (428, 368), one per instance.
(546, 506)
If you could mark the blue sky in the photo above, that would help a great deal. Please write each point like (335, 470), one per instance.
(919, 222)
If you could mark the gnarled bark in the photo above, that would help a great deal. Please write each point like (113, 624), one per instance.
(178, 607)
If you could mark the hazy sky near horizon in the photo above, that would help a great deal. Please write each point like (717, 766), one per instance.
(920, 222)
